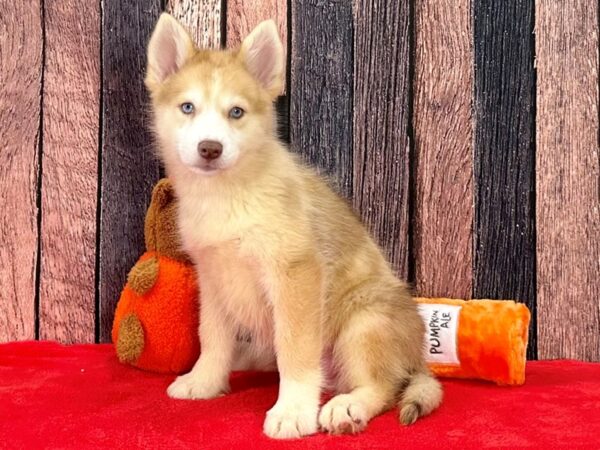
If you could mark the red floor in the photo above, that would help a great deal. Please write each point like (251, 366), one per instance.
(53, 396)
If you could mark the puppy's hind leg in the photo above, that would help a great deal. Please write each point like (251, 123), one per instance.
(366, 390)
(377, 350)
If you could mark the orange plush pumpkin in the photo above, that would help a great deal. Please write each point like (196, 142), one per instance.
(485, 339)
(156, 320)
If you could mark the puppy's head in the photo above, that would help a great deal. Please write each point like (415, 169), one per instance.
(212, 109)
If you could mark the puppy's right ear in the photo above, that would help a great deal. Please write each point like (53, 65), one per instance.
(169, 48)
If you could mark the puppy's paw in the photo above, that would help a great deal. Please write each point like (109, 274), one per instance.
(195, 387)
(342, 415)
(287, 420)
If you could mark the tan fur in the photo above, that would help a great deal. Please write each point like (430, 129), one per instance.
(281, 256)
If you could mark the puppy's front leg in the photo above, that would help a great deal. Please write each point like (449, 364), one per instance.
(297, 299)
(210, 375)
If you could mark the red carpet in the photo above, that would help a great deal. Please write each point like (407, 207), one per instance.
(53, 396)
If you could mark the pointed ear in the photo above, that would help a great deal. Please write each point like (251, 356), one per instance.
(169, 48)
(262, 54)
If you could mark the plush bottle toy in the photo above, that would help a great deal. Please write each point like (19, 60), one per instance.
(485, 339)
(156, 320)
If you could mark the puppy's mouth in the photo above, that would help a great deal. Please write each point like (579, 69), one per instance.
(208, 168)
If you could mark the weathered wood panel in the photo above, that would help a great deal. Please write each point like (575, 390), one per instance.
(443, 164)
(504, 154)
(381, 114)
(69, 177)
(567, 177)
(243, 16)
(20, 92)
(321, 88)
(129, 168)
(202, 18)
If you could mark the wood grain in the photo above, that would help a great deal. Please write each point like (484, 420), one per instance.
(568, 173)
(69, 178)
(20, 92)
(243, 16)
(129, 168)
(504, 154)
(381, 112)
(443, 149)
(202, 18)
(321, 88)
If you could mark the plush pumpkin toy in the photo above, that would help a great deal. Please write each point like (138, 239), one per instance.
(156, 320)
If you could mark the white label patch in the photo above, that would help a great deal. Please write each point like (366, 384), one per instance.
(441, 326)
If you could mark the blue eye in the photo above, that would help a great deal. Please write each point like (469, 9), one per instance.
(236, 112)
(187, 108)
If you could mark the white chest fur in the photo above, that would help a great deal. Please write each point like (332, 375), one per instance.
(225, 242)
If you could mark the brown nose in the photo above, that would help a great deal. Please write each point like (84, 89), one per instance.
(210, 149)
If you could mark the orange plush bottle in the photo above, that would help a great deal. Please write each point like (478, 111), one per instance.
(484, 339)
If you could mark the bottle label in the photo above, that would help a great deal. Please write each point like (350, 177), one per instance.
(441, 330)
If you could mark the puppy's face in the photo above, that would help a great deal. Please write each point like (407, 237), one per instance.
(212, 109)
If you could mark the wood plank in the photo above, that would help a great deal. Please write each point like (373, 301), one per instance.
(243, 16)
(321, 88)
(20, 91)
(202, 18)
(129, 168)
(567, 178)
(381, 146)
(443, 213)
(504, 154)
(69, 178)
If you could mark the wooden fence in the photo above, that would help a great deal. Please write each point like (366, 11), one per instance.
(464, 131)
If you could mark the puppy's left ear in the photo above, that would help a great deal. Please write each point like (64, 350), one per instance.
(262, 54)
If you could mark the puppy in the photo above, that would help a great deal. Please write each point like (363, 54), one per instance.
(278, 254)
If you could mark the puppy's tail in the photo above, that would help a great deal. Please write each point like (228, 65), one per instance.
(422, 395)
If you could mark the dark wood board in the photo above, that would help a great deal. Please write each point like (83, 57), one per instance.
(381, 114)
(129, 167)
(69, 177)
(567, 180)
(504, 154)
(282, 108)
(443, 159)
(21, 59)
(321, 88)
